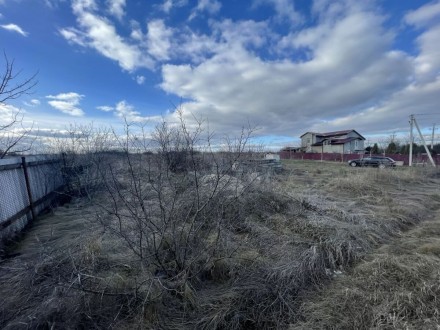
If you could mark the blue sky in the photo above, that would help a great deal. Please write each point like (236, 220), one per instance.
(284, 66)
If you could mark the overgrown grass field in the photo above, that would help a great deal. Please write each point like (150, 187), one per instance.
(320, 245)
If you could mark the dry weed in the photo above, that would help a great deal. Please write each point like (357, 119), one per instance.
(256, 255)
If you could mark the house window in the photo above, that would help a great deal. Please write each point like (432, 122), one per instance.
(326, 142)
(356, 144)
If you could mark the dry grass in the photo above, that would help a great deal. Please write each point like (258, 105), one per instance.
(289, 235)
(389, 291)
(397, 287)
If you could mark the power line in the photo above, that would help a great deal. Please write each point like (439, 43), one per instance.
(427, 114)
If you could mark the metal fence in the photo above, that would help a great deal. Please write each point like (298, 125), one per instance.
(28, 185)
(337, 157)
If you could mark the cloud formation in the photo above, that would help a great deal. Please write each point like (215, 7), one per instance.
(125, 111)
(284, 9)
(235, 85)
(116, 8)
(168, 5)
(105, 108)
(14, 28)
(98, 33)
(32, 103)
(140, 80)
(335, 67)
(67, 103)
(158, 39)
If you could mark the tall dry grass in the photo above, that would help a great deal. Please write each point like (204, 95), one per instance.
(289, 235)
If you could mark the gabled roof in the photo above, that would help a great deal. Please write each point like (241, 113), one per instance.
(308, 133)
(336, 141)
(335, 134)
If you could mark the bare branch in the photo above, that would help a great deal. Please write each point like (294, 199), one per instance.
(10, 88)
(12, 133)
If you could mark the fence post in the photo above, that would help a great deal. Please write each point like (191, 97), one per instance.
(28, 187)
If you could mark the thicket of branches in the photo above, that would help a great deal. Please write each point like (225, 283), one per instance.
(12, 131)
(175, 198)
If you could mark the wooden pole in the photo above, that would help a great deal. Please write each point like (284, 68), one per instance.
(28, 187)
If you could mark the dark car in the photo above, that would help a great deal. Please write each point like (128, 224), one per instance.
(375, 161)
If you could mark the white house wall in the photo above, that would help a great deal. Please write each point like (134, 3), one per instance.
(328, 149)
(307, 140)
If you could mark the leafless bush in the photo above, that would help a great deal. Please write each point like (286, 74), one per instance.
(172, 198)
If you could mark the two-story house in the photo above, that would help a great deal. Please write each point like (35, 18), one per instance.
(346, 142)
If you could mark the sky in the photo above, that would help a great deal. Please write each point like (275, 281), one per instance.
(284, 67)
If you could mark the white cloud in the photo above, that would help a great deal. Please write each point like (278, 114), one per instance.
(247, 33)
(32, 103)
(425, 15)
(116, 8)
(168, 5)
(285, 10)
(427, 62)
(393, 113)
(67, 103)
(286, 96)
(105, 108)
(340, 71)
(123, 110)
(7, 112)
(209, 6)
(127, 111)
(14, 28)
(140, 79)
(98, 33)
(136, 32)
(74, 36)
(158, 39)
(196, 48)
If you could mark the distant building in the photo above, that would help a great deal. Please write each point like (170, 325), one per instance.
(346, 142)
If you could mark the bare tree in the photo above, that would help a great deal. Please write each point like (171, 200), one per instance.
(13, 135)
(12, 132)
(10, 85)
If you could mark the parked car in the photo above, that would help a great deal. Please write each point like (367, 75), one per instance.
(375, 161)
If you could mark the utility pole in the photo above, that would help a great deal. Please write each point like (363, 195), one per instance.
(424, 143)
(411, 138)
(432, 137)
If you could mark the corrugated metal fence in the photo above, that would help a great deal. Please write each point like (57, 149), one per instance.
(28, 185)
(417, 159)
